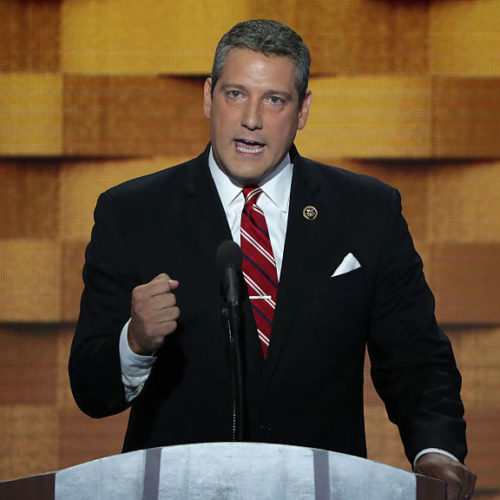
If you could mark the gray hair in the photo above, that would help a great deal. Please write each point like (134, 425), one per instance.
(267, 37)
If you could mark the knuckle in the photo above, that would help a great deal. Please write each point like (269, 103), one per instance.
(159, 277)
(172, 325)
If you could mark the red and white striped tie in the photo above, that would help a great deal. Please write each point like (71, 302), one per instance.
(259, 265)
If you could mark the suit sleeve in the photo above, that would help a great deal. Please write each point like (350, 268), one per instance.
(94, 365)
(413, 367)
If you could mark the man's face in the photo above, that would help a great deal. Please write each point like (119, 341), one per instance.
(254, 113)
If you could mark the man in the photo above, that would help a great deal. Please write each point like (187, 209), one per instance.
(334, 270)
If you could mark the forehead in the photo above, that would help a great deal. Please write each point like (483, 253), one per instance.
(257, 67)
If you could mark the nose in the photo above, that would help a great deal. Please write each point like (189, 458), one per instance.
(252, 115)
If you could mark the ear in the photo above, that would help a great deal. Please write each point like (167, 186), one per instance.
(207, 97)
(304, 110)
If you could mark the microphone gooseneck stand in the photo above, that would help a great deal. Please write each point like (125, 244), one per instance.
(229, 257)
(233, 328)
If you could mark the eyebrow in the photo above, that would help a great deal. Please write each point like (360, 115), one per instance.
(238, 86)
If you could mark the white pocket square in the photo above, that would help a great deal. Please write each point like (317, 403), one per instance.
(347, 265)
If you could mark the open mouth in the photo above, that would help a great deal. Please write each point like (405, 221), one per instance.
(249, 147)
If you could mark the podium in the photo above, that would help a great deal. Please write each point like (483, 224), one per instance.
(227, 471)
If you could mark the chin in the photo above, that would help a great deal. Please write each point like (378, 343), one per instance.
(245, 180)
(245, 177)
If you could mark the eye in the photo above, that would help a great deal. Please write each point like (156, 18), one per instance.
(275, 100)
(234, 94)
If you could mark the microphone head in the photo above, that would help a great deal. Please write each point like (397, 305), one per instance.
(229, 254)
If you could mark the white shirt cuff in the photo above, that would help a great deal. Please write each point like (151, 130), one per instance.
(135, 367)
(434, 450)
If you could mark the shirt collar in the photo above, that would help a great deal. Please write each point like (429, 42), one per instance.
(276, 186)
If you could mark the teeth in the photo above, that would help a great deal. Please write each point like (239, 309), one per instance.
(253, 149)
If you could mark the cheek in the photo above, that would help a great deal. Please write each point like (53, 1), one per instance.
(223, 124)
(284, 132)
(218, 130)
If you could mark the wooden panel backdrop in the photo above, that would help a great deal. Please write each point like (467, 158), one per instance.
(92, 93)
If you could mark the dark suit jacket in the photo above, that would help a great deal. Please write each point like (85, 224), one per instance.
(309, 391)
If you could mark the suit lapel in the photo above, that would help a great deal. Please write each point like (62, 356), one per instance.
(204, 216)
(306, 250)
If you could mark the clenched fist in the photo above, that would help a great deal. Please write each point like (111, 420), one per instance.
(154, 314)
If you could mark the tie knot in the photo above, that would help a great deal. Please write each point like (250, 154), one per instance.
(251, 194)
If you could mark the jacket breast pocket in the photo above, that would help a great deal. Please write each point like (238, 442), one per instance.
(338, 315)
(333, 296)
(346, 285)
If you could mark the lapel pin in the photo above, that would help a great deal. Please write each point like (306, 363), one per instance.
(310, 212)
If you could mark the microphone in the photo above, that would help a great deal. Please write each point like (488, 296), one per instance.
(229, 257)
